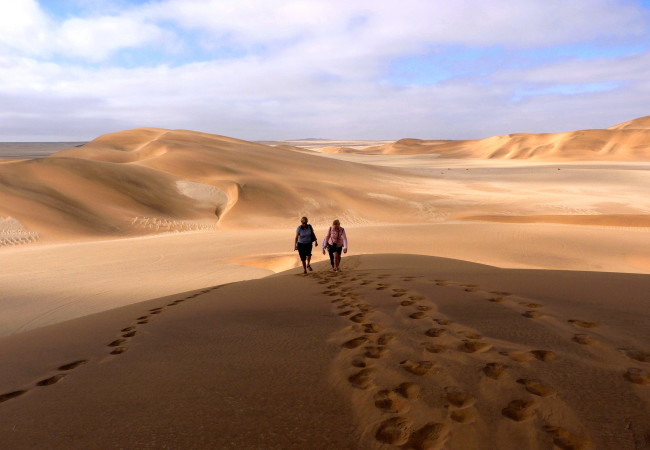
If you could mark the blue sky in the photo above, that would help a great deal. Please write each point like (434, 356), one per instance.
(380, 69)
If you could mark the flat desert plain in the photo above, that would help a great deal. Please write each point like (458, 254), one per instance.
(495, 293)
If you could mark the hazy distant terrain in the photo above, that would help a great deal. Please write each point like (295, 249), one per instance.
(33, 149)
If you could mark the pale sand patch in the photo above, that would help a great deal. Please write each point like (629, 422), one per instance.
(266, 363)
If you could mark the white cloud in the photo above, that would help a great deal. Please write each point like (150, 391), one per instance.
(96, 39)
(25, 29)
(304, 68)
(24, 26)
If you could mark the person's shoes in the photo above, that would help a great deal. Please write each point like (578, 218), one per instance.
(310, 269)
(305, 272)
(334, 270)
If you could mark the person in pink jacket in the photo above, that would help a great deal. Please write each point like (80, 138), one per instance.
(335, 242)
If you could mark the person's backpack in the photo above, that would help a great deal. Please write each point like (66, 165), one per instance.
(313, 235)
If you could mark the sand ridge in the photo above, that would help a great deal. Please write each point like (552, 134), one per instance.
(624, 142)
(153, 180)
(494, 375)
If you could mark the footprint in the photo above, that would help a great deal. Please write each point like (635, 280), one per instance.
(423, 308)
(418, 315)
(497, 299)
(474, 347)
(434, 348)
(361, 379)
(130, 334)
(399, 294)
(406, 302)
(375, 352)
(346, 313)
(385, 339)
(142, 322)
(471, 289)
(142, 318)
(566, 440)
(544, 355)
(501, 293)
(10, 395)
(443, 321)
(464, 416)
(459, 398)
(432, 436)
(358, 318)
(127, 329)
(395, 431)
(359, 362)
(419, 367)
(532, 314)
(119, 350)
(583, 339)
(388, 401)
(536, 388)
(382, 288)
(155, 310)
(372, 328)
(530, 305)
(73, 365)
(582, 323)
(117, 342)
(356, 342)
(435, 332)
(409, 390)
(400, 290)
(637, 376)
(494, 370)
(637, 355)
(520, 410)
(52, 380)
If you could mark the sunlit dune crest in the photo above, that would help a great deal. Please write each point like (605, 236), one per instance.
(629, 141)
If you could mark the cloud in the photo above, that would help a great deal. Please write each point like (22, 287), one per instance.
(25, 29)
(259, 70)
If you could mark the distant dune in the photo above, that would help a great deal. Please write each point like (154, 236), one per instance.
(629, 141)
(154, 180)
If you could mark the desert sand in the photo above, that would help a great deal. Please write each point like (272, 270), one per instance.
(495, 294)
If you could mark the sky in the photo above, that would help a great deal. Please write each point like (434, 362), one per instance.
(71, 70)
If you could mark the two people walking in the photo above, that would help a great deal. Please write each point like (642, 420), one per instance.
(335, 242)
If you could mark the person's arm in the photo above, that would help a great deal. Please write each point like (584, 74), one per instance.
(345, 241)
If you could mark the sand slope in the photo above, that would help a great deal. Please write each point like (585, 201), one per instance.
(629, 141)
(152, 180)
(397, 351)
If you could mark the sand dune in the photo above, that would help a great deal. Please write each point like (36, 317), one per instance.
(511, 313)
(152, 180)
(629, 141)
(396, 352)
